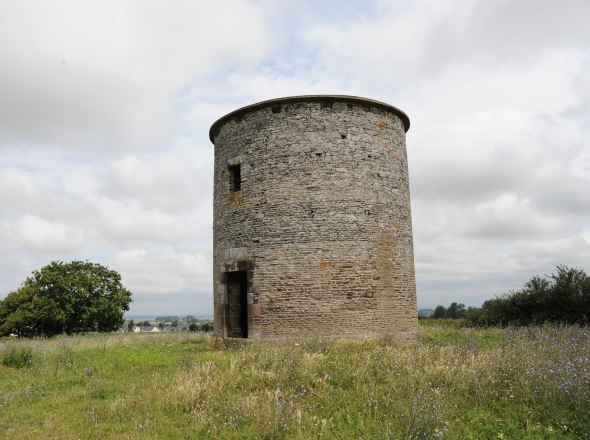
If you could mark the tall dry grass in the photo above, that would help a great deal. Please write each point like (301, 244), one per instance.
(534, 379)
(467, 383)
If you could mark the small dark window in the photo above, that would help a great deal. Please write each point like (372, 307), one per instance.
(235, 178)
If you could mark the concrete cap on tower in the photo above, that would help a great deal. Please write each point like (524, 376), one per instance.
(307, 98)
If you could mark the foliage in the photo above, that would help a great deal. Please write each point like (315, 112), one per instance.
(455, 324)
(439, 312)
(193, 327)
(563, 297)
(167, 318)
(65, 298)
(18, 357)
(174, 323)
(130, 325)
(454, 311)
(527, 383)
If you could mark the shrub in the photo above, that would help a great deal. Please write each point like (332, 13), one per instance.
(562, 298)
(18, 357)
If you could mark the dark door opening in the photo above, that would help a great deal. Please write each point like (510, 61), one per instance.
(237, 292)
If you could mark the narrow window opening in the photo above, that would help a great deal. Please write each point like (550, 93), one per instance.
(235, 178)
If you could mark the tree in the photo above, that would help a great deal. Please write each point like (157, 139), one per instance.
(161, 325)
(560, 298)
(146, 323)
(130, 325)
(68, 298)
(166, 318)
(439, 312)
(174, 323)
(193, 327)
(206, 327)
(455, 311)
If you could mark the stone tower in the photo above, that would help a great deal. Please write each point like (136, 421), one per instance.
(312, 232)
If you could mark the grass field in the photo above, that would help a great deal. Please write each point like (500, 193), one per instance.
(455, 383)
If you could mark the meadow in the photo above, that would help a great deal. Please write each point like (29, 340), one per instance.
(509, 383)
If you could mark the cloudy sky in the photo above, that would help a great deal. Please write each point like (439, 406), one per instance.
(105, 109)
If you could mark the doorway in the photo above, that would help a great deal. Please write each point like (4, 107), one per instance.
(237, 301)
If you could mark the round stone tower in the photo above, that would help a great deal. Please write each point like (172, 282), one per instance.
(312, 232)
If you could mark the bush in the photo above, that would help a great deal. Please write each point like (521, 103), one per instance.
(454, 311)
(18, 357)
(439, 312)
(562, 298)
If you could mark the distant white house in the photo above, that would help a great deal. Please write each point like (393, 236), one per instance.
(146, 328)
(156, 329)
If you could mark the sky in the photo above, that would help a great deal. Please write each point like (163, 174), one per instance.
(105, 109)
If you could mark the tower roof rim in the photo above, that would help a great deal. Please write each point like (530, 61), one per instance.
(288, 99)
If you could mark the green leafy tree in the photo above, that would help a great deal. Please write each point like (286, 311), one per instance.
(562, 298)
(130, 325)
(161, 325)
(166, 318)
(193, 327)
(206, 327)
(146, 323)
(474, 316)
(174, 323)
(439, 312)
(455, 311)
(68, 298)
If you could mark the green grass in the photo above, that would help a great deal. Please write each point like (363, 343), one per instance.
(454, 383)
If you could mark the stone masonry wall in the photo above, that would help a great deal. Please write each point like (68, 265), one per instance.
(321, 222)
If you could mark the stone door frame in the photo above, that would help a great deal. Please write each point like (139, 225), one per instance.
(253, 311)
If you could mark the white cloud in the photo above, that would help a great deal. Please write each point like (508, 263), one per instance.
(174, 282)
(104, 76)
(173, 181)
(106, 108)
(36, 235)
